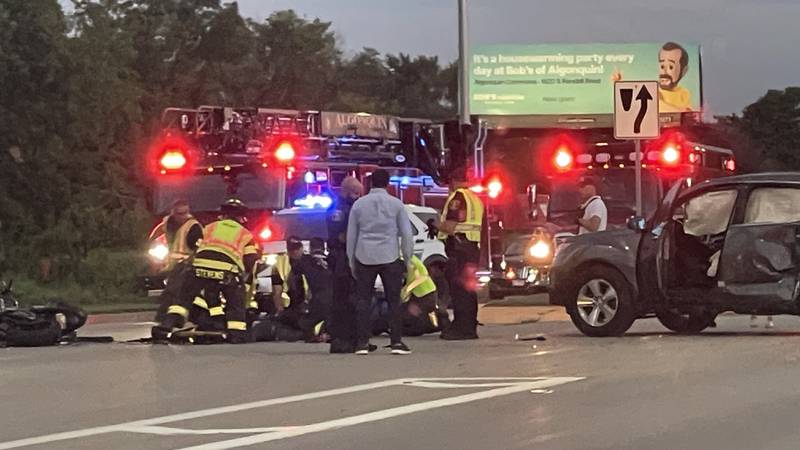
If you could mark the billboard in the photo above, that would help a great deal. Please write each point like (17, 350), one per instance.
(579, 78)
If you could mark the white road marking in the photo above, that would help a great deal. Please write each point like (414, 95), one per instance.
(192, 415)
(505, 386)
(168, 431)
(384, 414)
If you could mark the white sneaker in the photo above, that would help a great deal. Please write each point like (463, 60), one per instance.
(770, 323)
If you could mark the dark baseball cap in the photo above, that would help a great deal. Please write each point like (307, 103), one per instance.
(293, 243)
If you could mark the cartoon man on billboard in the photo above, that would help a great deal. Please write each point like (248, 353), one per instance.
(673, 63)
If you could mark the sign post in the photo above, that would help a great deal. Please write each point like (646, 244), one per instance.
(636, 118)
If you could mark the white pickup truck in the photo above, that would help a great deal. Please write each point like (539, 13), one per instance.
(306, 223)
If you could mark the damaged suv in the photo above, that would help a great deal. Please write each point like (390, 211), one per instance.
(729, 244)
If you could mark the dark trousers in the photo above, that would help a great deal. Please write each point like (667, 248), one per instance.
(392, 276)
(463, 257)
(416, 316)
(341, 322)
(172, 291)
(233, 291)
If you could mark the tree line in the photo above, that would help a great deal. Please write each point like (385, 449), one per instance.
(82, 92)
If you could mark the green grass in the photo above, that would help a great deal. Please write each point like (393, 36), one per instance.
(120, 308)
(30, 292)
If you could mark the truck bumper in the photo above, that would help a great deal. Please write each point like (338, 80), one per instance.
(528, 280)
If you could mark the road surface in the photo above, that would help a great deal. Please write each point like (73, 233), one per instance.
(733, 387)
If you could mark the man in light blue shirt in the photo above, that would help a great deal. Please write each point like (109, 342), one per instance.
(377, 220)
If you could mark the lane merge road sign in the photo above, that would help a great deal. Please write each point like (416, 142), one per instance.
(636, 110)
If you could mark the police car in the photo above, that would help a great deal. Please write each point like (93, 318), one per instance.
(309, 221)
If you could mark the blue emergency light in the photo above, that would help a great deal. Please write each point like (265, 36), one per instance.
(314, 201)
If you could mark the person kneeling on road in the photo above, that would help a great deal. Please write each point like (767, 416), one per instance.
(182, 232)
(422, 313)
(289, 286)
(308, 277)
(224, 259)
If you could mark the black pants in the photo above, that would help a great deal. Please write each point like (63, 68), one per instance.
(270, 330)
(392, 276)
(462, 261)
(341, 322)
(176, 279)
(234, 292)
(416, 316)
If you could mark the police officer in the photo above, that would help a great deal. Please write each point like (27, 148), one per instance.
(182, 233)
(223, 260)
(460, 227)
(342, 324)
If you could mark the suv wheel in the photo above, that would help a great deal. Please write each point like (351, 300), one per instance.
(684, 323)
(601, 303)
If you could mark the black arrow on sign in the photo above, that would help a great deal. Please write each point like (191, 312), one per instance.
(644, 98)
(626, 95)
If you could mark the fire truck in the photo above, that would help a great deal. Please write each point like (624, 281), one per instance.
(275, 159)
(530, 167)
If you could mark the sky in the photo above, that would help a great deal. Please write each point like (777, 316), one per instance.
(748, 46)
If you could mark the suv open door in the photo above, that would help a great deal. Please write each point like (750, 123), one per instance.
(654, 246)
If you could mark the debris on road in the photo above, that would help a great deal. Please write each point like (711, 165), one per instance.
(529, 337)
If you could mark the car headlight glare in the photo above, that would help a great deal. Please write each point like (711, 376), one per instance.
(271, 259)
(540, 250)
(158, 252)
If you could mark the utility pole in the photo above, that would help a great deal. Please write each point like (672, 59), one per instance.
(463, 54)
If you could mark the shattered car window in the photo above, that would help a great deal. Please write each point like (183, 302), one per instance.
(773, 205)
(709, 213)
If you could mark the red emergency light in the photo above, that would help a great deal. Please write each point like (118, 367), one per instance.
(730, 165)
(494, 187)
(670, 155)
(284, 152)
(563, 158)
(173, 159)
(265, 234)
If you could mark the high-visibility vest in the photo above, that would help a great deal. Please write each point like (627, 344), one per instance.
(471, 226)
(178, 248)
(229, 238)
(284, 267)
(418, 280)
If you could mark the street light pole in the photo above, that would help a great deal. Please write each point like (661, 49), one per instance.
(463, 54)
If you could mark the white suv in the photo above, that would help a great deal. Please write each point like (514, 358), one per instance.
(307, 223)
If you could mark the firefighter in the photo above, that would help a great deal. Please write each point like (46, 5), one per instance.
(460, 227)
(343, 314)
(422, 313)
(182, 233)
(312, 280)
(319, 281)
(223, 261)
(289, 286)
